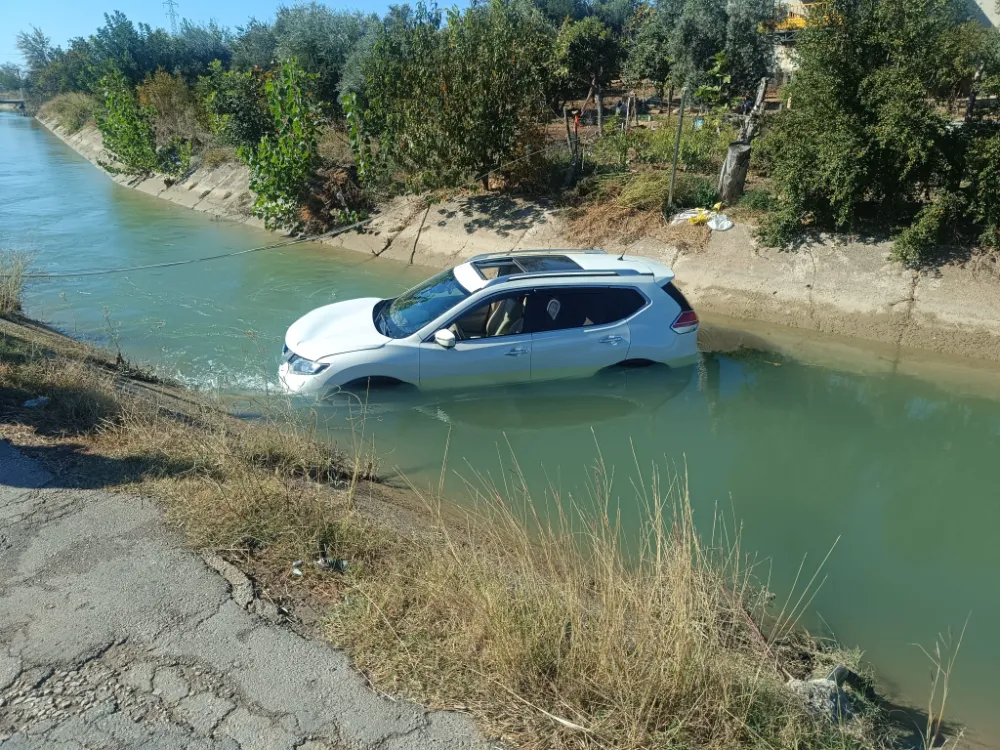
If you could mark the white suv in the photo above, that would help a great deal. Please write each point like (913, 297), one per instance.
(498, 318)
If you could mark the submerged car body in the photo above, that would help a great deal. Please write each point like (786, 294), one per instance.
(498, 318)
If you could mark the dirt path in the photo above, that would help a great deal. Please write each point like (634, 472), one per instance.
(115, 636)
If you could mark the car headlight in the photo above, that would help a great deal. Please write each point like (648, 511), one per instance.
(301, 366)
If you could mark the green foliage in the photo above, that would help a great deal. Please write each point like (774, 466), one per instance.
(282, 163)
(586, 53)
(355, 132)
(702, 29)
(692, 191)
(235, 104)
(255, 46)
(11, 77)
(648, 46)
(866, 137)
(449, 103)
(320, 40)
(127, 127)
(703, 147)
(757, 199)
(934, 225)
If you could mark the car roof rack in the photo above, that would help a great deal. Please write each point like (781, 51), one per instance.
(574, 272)
(548, 251)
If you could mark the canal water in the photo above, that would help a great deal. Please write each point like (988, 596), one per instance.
(904, 472)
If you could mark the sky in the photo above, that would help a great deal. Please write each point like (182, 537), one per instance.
(62, 20)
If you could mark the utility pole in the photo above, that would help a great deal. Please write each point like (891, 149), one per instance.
(171, 6)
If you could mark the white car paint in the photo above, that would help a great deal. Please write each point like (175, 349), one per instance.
(343, 342)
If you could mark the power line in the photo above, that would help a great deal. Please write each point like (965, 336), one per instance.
(172, 263)
(171, 6)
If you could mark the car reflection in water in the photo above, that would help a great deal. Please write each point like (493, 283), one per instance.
(611, 394)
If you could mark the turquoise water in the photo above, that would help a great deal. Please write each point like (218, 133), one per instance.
(903, 472)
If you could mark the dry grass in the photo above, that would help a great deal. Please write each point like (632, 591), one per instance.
(72, 111)
(555, 633)
(560, 635)
(597, 224)
(217, 156)
(13, 266)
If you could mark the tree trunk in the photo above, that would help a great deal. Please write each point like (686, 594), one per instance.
(670, 103)
(733, 178)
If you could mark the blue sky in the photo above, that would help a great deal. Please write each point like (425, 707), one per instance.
(63, 19)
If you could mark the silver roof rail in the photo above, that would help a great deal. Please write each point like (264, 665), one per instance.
(574, 272)
(549, 251)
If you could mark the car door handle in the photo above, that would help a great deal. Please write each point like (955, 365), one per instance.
(517, 351)
(613, 340)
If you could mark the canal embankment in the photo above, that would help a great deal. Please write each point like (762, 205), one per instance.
(543, 634)
(829, 285)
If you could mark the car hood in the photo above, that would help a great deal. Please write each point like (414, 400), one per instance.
(336, 329)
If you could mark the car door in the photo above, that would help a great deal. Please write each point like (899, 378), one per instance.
(578, 331)
(492, 347)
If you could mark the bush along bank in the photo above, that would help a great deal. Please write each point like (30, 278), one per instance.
(553, 633)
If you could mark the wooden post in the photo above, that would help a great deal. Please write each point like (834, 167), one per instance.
(571, 172)
(600, 111)
(677, 149)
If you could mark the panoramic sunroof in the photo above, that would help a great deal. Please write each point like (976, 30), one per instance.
(494, 267)
(532, 263)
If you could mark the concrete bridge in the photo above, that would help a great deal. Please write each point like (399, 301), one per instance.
(11, 103)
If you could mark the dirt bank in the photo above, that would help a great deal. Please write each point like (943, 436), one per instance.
(845, 288)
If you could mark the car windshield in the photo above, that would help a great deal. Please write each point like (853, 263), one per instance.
(412, 310)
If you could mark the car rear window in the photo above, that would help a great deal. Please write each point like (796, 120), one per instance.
(560, 309)
(677, 296)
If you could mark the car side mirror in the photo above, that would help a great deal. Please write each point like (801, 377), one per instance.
(445, 338)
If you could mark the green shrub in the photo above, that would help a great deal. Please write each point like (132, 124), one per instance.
(282, 164)
(757, 200)
(691, 191)
(127, 127)
(935, 224)
(71, 111)
(235, 105)
(702, 149)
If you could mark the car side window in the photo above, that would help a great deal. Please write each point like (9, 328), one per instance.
(499, 316)
(560, 309)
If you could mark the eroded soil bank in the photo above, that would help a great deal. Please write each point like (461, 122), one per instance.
(832, 286)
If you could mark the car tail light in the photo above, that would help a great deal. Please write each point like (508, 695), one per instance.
(686, 322)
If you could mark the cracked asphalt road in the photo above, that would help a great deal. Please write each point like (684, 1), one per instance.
(112, 635)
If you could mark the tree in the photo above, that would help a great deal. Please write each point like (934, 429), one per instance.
(282, 163)
(448, 103)
(197, 45)
(320, 40)
(588, 55)
(36, 48)
(649, 45)
(866, 139)
(11, 77)
(236, 103)
(126, 127)
(255, 46)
